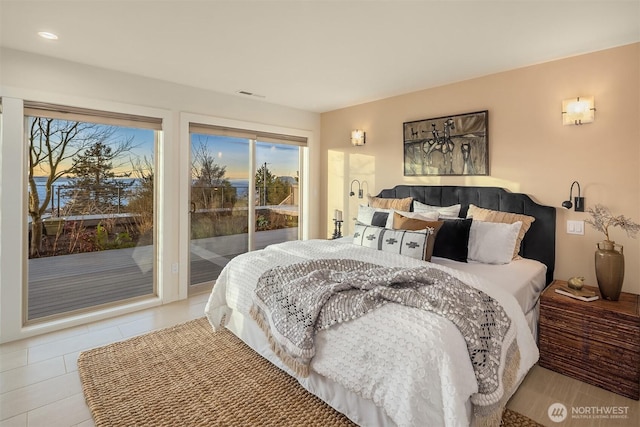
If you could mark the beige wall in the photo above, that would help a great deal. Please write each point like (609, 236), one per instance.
(530, 150)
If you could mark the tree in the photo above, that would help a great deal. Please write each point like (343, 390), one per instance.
(271, 189)
(141, 201)
(281, 189)
(264, 182)
(94, 187)
(210, 188)
(52, 143)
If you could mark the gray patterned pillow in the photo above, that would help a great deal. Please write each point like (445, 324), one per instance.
(413, 244)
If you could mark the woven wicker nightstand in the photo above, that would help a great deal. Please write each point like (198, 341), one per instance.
(596, 342)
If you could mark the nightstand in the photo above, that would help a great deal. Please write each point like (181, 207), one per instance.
(597, 342)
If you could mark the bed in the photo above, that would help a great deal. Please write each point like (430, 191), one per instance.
(373, 368)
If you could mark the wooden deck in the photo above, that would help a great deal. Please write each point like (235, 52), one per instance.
(67, 283)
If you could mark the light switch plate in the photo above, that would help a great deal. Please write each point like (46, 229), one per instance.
(575, 227)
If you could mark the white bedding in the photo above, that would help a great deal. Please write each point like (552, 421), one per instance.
(373, 368)
(525, 279)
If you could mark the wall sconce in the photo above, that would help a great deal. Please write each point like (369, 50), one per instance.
(360, 188)
(579, 201)
(358, 137)
(578, 111)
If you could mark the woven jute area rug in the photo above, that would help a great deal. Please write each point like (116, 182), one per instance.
(189, 375)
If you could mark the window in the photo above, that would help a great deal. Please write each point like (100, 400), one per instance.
(91, 203)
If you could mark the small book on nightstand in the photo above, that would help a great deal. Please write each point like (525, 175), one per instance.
(582, 294)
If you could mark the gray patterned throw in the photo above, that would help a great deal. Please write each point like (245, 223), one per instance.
(293, 302)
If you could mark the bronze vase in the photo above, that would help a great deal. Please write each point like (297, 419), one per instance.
(609, 269)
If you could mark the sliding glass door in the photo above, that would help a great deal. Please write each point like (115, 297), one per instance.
(219, 205)
(244, 195)
(278, 193)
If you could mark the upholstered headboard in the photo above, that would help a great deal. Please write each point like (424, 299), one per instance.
(540, 241)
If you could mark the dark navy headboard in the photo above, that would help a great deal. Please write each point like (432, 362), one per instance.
(540, 241)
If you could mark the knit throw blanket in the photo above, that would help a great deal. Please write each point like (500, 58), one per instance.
(292, 303)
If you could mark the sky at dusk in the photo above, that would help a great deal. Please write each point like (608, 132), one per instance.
(281, 159)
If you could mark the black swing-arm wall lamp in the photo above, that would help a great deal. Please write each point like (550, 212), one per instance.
(579, 201)
(360, 188)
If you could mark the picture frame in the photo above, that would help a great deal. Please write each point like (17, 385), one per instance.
(449, 145)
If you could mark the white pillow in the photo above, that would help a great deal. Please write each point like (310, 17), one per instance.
(452, 211)
(492, 242)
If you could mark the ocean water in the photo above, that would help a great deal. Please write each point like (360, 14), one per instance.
(59, 200)
(241, 185)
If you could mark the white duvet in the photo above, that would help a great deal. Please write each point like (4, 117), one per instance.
(410, 363)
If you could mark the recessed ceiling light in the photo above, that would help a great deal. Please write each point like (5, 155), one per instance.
(47, 35)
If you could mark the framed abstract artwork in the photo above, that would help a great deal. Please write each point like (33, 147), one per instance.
(448, 145)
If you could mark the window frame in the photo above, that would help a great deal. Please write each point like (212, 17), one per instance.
(74, 114)
(14, 273)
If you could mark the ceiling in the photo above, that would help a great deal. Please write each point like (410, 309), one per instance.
(316, 55)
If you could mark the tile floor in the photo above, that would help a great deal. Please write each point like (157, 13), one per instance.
(39, 382)
(40, 386)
